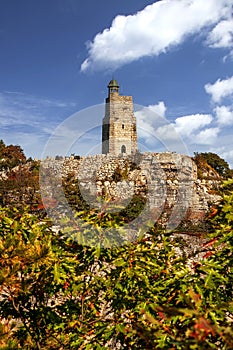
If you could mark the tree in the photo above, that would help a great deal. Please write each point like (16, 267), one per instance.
(215, 162)
(20, 187)
(2, 146)
(11, 156)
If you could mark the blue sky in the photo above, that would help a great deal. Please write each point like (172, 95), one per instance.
(174, 56)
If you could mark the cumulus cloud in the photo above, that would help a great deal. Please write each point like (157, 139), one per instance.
(221, 35)
(167, 132)
(188, 124)
(158, 108)
(207, 136)
(202, 129)
(148, 119)
(220, 89)
(154, 130)
(224, 115)
(185, 130)
(156, 29)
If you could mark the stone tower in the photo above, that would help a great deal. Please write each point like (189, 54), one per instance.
(119, 132)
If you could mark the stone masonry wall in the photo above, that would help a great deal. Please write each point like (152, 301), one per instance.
(168, 182)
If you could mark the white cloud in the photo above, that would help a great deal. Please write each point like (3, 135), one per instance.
(153, 30)
(207, 136)
(149, 121)
(188, 133)
(228, 156)
(184, 131)
(159, 108)
(184, 128)
(223, 146)
(167, 132)
(221, 35)
(228, 56)
(150, 117)
(220, 89)
(147, 117)
(188, 124)
(224, 115)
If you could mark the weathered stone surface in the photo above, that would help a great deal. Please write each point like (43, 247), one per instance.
(119, 134)
(167, 180)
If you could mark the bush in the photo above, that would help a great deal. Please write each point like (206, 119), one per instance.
(59, 294)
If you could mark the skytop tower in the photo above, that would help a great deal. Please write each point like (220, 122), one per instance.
(119, 131)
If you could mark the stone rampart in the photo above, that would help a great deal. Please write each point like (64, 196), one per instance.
(167, 181)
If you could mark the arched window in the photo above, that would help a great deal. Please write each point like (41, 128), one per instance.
(123, 149)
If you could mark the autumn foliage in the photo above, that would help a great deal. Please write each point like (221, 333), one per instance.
(62, 288)
(59, 294)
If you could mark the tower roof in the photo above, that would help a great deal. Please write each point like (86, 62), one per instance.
(113, 83)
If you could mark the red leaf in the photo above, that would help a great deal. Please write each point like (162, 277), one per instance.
(209, 243)
(208, 254)
(204, 326)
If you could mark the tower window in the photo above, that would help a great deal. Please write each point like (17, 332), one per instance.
(123, 126)
(123, 149)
